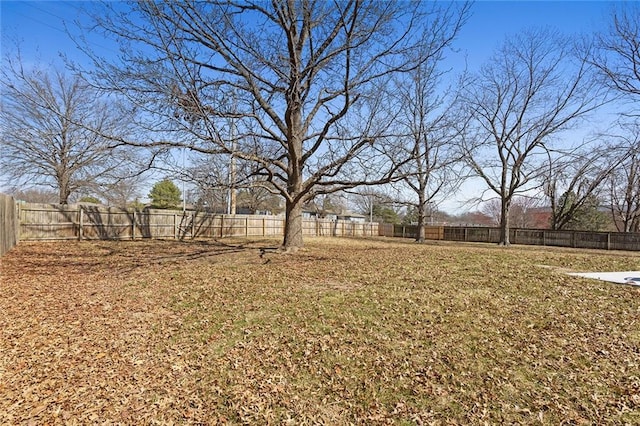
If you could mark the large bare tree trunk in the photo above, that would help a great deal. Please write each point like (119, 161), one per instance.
(293, 226)
(63, 196)
(421, 216)
(64, 190)
(504, 223)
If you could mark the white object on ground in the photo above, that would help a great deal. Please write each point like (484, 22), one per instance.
(627, 277)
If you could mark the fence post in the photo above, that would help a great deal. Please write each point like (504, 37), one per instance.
(544, 238)
(80, 223)
(221, 226)
(175, 226)
(264, 228)
(608, 240)
(246, 226)
(466, 236)
(18, 218)
(133, 226)
(191, 221)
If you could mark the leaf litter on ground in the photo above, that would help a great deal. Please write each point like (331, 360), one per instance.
(357, 331)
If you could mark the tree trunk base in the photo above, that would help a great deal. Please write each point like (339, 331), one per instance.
(289, 250)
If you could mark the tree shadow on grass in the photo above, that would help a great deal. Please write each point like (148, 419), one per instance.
(108, 257)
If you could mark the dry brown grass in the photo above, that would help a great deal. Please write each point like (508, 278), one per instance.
(345, 331)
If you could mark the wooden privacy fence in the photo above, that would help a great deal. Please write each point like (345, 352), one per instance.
(9, 223)
(80, 222)
(542, 237)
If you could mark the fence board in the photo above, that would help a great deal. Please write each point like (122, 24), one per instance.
(9, 223)
(542, 237)
(55, 222)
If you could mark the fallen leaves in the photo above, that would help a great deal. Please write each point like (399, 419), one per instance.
(345, 331)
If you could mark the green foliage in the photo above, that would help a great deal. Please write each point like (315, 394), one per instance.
(89, 199)
(136, 204)
(165, 195)
(385, 214)
(411, 216)
(585, 217)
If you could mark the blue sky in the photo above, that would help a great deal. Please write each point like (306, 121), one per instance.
(492, 21)
(39, 26)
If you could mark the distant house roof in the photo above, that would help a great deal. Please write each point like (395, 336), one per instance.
(351, 215)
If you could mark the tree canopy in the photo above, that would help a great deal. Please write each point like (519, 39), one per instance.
(300, 80)
(165, 195)
(54, 128)
(531, 91)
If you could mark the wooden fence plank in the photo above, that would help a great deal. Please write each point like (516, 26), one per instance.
(543, 237)
(9, 222)
(55, 222)
(51, 222)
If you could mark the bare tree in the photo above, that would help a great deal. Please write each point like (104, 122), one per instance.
(363, 201)
(625, 195)
(123, 192)
(218, 181)
(425, 126)
(305, 78)
(36, 195)
(624, 184)
(521, 212)
(258, 198)
(518, 105)
(618, 56)
(430, 174)
(575, 179)
(618, 59)
(46, 117)
(492, 209)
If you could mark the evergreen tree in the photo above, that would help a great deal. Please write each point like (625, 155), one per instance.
(585, 217)
(165, 195)
(385, 214)
(89, 199)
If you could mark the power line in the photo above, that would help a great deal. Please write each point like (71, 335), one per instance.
(31, 18)
(42, 9)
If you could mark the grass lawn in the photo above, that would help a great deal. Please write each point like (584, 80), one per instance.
(344, 331)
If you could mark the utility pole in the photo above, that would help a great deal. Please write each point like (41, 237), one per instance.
(232, 184)
(184, 195)
(232, 195)
(370, 208)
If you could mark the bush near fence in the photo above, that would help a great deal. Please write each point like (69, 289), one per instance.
(9, 223)
(74, 221)
(543, 237)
